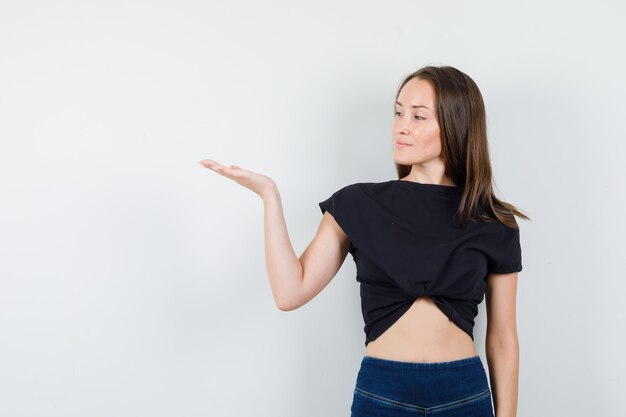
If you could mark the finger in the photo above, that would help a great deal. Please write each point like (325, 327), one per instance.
(232, 172)
(208, 163)
(224, 170)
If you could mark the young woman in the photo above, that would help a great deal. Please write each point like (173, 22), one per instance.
(428, 247)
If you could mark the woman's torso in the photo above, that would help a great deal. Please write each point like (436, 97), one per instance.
(422, 334)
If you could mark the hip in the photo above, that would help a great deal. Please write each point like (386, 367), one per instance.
(444, 389)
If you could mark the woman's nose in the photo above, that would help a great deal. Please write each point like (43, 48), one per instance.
(403, 127)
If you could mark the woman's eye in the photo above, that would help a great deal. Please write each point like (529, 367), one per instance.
(418, 117)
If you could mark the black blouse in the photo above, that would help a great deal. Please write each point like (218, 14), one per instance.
(405, 244)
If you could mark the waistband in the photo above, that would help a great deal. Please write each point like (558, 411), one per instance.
(371, 360)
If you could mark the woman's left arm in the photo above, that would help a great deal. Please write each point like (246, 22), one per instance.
(502, 344)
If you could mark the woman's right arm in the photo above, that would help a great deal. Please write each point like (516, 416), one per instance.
(294, 281)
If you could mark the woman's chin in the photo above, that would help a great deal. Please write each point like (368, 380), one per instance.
(403, 161)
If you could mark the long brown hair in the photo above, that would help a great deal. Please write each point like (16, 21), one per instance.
(460, 112)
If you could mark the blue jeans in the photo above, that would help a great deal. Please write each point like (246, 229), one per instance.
(387, 388)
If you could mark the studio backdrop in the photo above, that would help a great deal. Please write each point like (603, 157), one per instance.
(133, 280)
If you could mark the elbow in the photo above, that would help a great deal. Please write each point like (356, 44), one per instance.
(288, 299)
(502, 342)
(284, 305)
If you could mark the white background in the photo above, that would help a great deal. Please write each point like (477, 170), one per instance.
(132, 280)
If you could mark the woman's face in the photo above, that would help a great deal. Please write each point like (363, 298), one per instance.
(416, 126)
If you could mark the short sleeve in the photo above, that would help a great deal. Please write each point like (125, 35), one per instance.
(506, 256)
(342, 206)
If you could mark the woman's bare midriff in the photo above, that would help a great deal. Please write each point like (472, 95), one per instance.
(423, 334)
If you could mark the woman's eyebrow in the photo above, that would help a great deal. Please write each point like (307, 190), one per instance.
(414, 106)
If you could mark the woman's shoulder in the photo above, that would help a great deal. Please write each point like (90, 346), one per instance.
(370, 186)
(399, 193)
(365, 186)
(363, 192)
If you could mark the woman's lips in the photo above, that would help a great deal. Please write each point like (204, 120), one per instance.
(401, 145)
